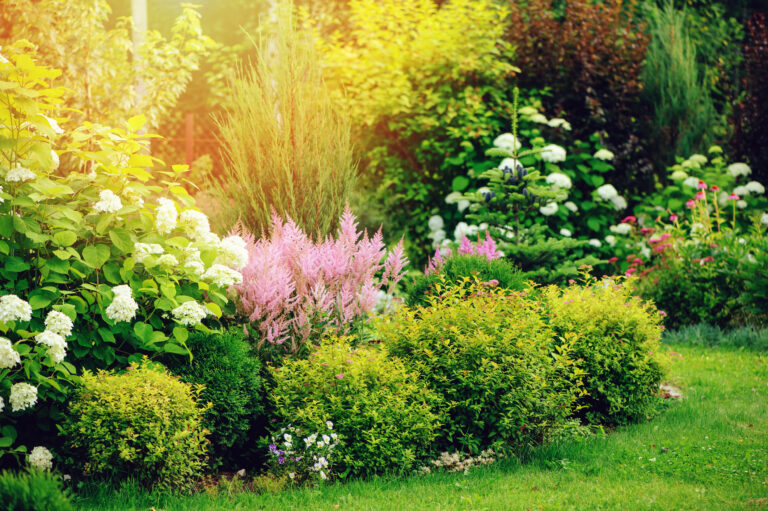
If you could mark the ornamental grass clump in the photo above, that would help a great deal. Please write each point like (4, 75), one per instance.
(295, 290)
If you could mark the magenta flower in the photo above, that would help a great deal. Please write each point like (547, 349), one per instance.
(733, 196)
(700, 196)
(629, 220)
(702, 185)
(690, 204)
(630, 271)
(340, 376)
(673, 218)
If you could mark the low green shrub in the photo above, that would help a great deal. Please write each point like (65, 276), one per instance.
(233, 383)
(459, 266)
(144, 424)
(35, 490)
(617, 343)
(385, 418)
(488, 353)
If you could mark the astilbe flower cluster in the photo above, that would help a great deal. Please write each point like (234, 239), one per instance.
(294, 288)
(486, 247)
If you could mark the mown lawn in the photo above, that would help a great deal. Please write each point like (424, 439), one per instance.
(708, 451)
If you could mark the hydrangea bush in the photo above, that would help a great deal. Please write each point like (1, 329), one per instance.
(117, 250)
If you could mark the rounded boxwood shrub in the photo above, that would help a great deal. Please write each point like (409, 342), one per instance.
(143, 424)
(488, 353)
(458, 267)
(231, 374)
(617, 343)
(383, 414)
(32, 491)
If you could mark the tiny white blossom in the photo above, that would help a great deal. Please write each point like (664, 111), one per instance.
(9, 357)
(329, 424)
(23, 396)
(538, 118)
(755, 187)
(742, 204)
(41, 458)
(190, 313)
(739, 169)
(19, 174)
(323, 476)
(764, 219)
(13, 308)
(165, 216)
(326, 439)
(595, 243)
(607, 192)
(553, 153)
(621, 229)
(559, 123)
(2, 404)
(611, 240)
(59, 323)
(603, 154)
(571, 207)
(292, 475)
(549, 209)
(565, 232)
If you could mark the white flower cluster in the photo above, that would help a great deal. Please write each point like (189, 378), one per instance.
(764, 219)
(195, 224)
(168, 260)
(570, 206)
(190, 313)
(455, 198)
(595, 243)
(123, 306)
(222, 276)
(9, 357)
(508, 142)
(603, 154)
(13, 308)
(691, 182)
(739, 169)
(559, 123)
(559, 180)
(553, 153)
(142, 250)
(41, 458)
(457, 462)
(678, 175)
(19, 174)
(436, 231)
(59, 323)
(755, 187)
(549, 209)
(193, 264)
(23, 396)
(611, 240)
(166, 216)
(57, 345)
(608, 193)
(622, 229)
(565, 232)
(232, 253)
(108, 202)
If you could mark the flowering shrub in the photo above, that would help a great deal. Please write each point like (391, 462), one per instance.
(125, 273)
(296, 290)
(615, 339)
(488, 353)
(144, 424)
(385, 418)
(304, 457)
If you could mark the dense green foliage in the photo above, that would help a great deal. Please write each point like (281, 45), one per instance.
(231, 376)
(615, 338)
(33, 491)
(489, 354)
(386, 419)
(456, 268)
(143, 424)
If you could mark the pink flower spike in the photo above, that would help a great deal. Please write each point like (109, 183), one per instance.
(673, 218)
(340, 376)
(637, 261)
(702, 185)
(466, 247)
(733, 196)
(630, 271)
(690, 204)
(700, 196)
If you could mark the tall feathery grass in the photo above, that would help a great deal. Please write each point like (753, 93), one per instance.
(285, 146)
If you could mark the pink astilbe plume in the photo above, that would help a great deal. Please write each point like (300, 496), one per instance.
(296, 290)
(486, 248)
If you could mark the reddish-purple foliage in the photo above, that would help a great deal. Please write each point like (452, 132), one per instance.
(295, 289)
(486, 248)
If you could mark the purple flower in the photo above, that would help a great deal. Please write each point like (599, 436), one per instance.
(272, 448)
(281, 459)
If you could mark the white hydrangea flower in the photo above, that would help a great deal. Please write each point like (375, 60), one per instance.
(559, 180)
(23, 396)
(41, 458)
(509, 165)
(755, 187)
(623, 229)
(764, 219)
(222, 276)
(527, 110)
(190, 313)
(435, 223)
(19, 174)
(168, 260)
(166, 216)
(453, 197)
(437, 236)
(57, 353)
(538, 118)
(611, 240)
(9, 357)
(553, 153)
(59, 323)
(211, 239)
(739, 169)
(603, 154)
(619, 203)
(549, 209)
(508, 142)
(698, 158)
(645, 251)
(565, 232)
(559, 123)
(108, 202)
(193, 264)
(142, 250)
(233, 252)
(678, 175)
(49, 338)
(195, 223)
(691, 182)
(607, 192)
(123, 306)
(13, 308)
(595, 243)
(573, 208)
(742, 204)
(462, 229)
(741, 191)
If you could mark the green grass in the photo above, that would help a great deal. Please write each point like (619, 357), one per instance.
(708, 451)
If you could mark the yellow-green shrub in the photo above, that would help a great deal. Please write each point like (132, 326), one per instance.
(385, 418)
(617, 343)
(144, 424)
(493, 359)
